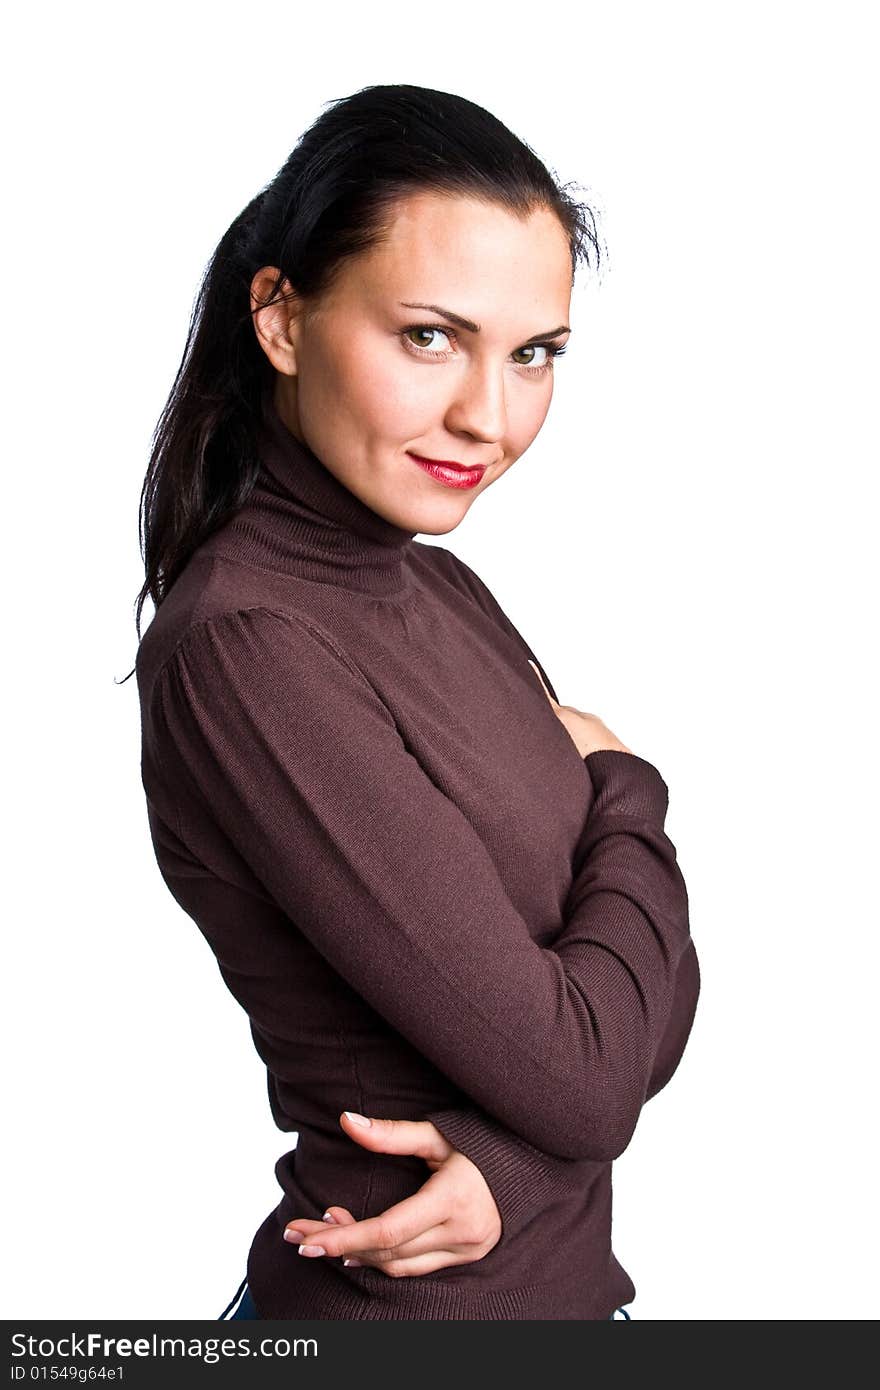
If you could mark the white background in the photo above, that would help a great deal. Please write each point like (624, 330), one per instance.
(686, 545)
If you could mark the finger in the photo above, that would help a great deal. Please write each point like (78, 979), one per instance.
(417, 1137)
(337, 1216)
(541, 679)
(439, 1238)
(435, 1241)
(405, 1221)
(306, 1230)
(424, 1264)
(434, 1244)
(427, 1243)
(306, 1227)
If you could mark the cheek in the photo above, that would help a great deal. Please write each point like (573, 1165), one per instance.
(387, 395)
(526, 412)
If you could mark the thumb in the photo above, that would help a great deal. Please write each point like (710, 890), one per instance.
(417, 1137)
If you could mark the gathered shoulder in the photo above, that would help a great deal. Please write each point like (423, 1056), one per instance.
(235, 643)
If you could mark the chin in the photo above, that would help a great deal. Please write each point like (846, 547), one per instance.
(436, 530)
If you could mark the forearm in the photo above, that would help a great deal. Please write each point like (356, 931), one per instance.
(557, 1045)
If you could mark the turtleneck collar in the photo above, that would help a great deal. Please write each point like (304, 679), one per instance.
(300, 519)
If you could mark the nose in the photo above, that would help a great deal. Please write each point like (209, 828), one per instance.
(479, 405)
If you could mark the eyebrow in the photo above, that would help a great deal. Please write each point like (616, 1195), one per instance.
(472, 327)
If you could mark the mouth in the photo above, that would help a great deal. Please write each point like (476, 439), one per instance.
(448, 472)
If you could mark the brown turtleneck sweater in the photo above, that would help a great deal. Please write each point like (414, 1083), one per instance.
(429, 905)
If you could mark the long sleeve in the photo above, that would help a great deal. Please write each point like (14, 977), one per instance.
(679, 1024)
(289, 748)
(522, 1178)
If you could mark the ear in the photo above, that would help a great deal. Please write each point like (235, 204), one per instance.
(276, 320)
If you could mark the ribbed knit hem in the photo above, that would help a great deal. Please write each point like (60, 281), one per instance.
(285, 1285)
(325, 1295)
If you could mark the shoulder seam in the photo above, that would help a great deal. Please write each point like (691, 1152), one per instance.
(285, 615)
(199, 626)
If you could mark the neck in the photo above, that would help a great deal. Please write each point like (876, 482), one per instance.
(300, 519)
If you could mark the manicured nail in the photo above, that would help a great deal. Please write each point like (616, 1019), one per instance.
(331, 1220)
(358, 1119)
(354, 1263)
(312, 1250)
(295, 1236)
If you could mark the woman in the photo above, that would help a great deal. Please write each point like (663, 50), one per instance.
(445, 900)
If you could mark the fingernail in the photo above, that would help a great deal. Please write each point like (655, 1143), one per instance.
(331, 1220)
(358, 1119)
(354, 1263)
(312, 1250)
(295, 1236)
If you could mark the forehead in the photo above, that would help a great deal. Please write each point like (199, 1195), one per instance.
(469, 255)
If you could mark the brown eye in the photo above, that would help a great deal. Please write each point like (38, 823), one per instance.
(534, 347)
(551, 352)
(423, 332)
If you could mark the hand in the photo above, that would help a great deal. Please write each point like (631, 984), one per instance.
(587, 730)
(451, 1220)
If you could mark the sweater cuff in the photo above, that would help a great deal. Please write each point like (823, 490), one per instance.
(626, 785)
(522, 1179)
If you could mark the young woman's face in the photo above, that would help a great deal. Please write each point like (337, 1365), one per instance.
(382, 372)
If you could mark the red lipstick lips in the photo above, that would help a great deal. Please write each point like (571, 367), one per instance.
(449, 473)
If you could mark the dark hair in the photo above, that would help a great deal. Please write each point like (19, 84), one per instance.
(332, 199)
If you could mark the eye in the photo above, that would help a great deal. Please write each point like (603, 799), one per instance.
(534, 347)
(550, 351)
(427, 330)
